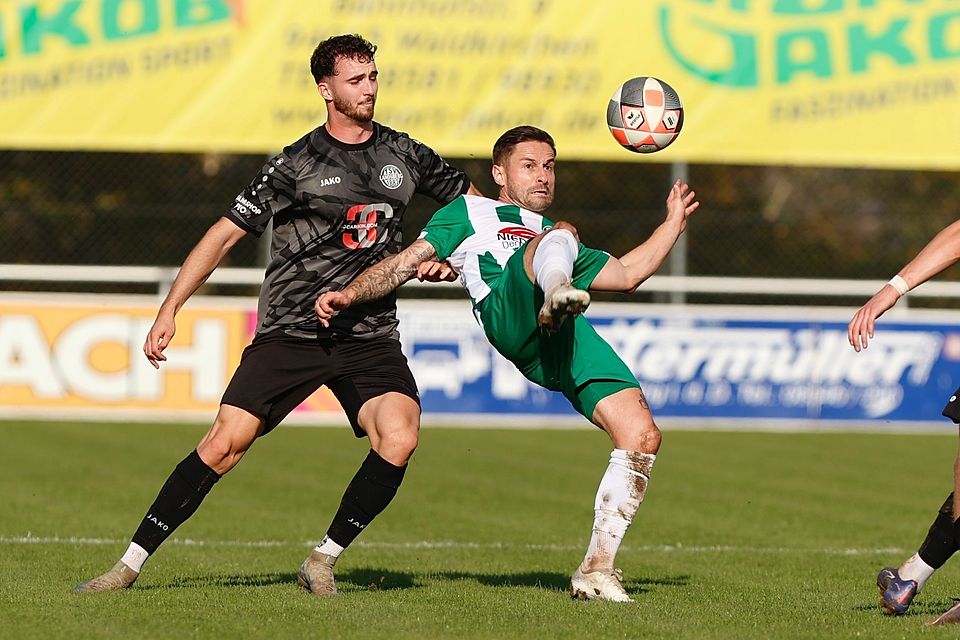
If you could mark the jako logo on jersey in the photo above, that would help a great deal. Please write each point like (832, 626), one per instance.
(513, 237)
(360, 225)
(326, 182)
(391, 176)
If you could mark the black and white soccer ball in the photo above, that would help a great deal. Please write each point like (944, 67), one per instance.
(645, 114)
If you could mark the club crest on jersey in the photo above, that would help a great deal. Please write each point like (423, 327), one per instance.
(391, 176)
(513, 237)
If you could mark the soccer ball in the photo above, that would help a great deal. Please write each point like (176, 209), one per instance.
(645, 114)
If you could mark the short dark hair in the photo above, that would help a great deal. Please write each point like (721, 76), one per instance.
(524, 133)
(325, 56)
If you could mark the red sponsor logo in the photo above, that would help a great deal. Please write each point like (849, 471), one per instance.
(360, 224)
(518, 232)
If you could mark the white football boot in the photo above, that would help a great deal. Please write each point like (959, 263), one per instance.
(559, 303)
(598, 585)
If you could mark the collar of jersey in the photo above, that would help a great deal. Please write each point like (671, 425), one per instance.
(340, 144)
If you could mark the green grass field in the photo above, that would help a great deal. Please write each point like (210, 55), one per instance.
(743, 535)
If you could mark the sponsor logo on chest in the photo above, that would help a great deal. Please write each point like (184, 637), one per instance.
(515, 237)
(326, 182)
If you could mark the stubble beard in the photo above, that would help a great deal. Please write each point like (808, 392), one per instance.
(536, 203)
(360, 113)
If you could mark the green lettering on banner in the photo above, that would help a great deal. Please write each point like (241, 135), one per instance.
(800, 7)
(3, 39)
(742, 71)
(194, 13)
(864, 45)
(939, 24)
(35, 27)
(818, 62)
(149, 19)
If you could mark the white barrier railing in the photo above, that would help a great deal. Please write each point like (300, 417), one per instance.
(163, 277)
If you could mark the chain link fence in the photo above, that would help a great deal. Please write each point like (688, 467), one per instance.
(757, 221)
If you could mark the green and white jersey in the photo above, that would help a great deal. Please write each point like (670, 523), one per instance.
(478, 235)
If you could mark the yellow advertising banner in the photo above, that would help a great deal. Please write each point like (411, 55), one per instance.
(823, 82)
(81, 355)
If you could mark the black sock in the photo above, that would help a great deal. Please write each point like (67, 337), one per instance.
(369, 493)
(178, 499)
(941, 540)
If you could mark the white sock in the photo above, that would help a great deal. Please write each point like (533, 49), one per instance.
(554, 257)
(916, 569)
(621, 491)
(329, 547)
(135, 556)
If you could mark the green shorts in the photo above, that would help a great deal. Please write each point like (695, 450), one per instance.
(576, 360)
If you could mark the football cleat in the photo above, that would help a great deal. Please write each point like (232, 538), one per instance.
(598, 585)
(316, 574)
(119, 577)
(950, 616)
(896, 594)
(559, 303)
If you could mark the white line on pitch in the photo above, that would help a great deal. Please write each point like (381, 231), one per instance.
(452, 544)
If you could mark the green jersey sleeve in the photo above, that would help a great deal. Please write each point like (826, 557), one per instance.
(448, 227)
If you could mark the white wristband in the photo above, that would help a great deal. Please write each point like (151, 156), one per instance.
(899, 284)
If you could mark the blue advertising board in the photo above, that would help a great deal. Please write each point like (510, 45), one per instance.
(733, 363)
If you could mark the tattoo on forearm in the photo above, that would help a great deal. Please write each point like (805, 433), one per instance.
(388, 274)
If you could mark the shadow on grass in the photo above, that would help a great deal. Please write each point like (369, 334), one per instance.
(385, 580)
(372, 579)
(923, 608)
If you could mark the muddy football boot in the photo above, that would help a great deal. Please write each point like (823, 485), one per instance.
(119, 577)
(559, 303)
(316, 574)
(598, 585)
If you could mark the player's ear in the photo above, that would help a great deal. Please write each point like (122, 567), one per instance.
(499, 176)
(324, 91)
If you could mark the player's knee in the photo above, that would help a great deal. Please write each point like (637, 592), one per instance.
(566, 227)
(222, 448)
(650, 439)
(397, 446)
(217, 453)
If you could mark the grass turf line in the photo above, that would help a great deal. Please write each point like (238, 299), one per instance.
(742, 535)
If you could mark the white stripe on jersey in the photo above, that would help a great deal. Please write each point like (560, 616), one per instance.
(493, 233)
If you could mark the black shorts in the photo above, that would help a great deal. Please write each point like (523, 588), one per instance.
(277, 373)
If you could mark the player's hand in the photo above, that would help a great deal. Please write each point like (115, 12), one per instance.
(329, 304)
(861, 327)
(159, 337)
(681, 203)
(433, 271)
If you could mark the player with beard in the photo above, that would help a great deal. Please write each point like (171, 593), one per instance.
(335, 199)
(522, 294)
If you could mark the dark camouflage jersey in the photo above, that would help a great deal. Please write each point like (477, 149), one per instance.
(337, 209)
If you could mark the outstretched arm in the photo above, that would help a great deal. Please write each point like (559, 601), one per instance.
(376, 281)
(940, 253)
(198, 266)
(627, 273)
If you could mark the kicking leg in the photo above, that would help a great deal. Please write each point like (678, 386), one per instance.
(626, 418)
(392, 422)
(549, 259)
(232, 433)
